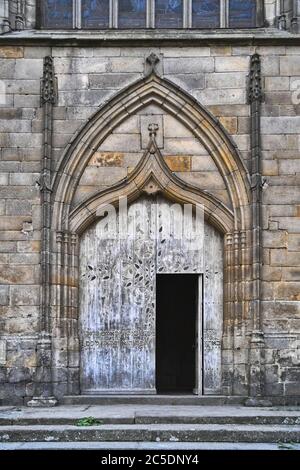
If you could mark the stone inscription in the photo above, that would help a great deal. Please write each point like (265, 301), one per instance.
(137, 338)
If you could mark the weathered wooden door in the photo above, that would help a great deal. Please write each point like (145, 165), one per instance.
(117, 298)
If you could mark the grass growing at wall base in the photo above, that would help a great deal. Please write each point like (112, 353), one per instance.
(88, 421)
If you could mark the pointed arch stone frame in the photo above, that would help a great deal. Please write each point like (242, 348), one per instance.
(68, 222)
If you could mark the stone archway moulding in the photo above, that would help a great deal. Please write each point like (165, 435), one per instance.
(151, 174)
(162, 92)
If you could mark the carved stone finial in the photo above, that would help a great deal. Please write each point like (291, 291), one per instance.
(48, 82)
(153, 128)
(152, 60)
(255, 87)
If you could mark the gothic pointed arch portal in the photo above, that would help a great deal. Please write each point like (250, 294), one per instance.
(226, 224)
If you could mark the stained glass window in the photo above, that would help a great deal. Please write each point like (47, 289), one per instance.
(242, 14)
(95, 14)
(206, 13)
(169, 13)
(57, 14)
(132, 13)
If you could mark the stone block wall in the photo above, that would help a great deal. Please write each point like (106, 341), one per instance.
(87, 77)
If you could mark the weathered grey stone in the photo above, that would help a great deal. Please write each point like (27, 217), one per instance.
(126, 64)
(29, 86)
(232, 64)
(111, 80)
(226, 80)
(102, 176)
(174, 129)
(24, 179)
(25, 140)
(84, 98)
(4, 295)
(73, 82)
(36, 52)
(9, 113)
(4, 179)
(28, 69)
(289, 167)
(188, 65)
(66, 127)
(21, 295)
(130, 126)
(182, 52)
(191, 81)
(270, 66)
(27, 101)
(290, 66)
(179, 146)
(19, 274)
(121, 143)
(277, 83)
(227, 96)
(7, 67)
(282, 125)
(16, 207)
(80, 65)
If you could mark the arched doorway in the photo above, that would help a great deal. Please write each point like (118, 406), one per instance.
(230, 217)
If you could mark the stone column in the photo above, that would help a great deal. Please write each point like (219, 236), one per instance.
(282, 24)
(43, 380)
(4, 17)
(295, 19)
(255, 97)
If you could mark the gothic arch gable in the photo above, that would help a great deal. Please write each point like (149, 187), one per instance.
(168, 96)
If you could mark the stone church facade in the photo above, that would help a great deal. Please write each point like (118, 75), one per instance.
(169, 103)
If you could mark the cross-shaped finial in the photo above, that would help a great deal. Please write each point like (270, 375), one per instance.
(152, 60)
(153, 128)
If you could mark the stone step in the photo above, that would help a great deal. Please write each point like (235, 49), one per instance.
(177, 400)
(151, 433)
(152, 419)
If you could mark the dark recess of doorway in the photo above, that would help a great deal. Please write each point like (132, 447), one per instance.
(176, 310)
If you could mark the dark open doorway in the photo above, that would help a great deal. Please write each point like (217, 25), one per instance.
(176, 317)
